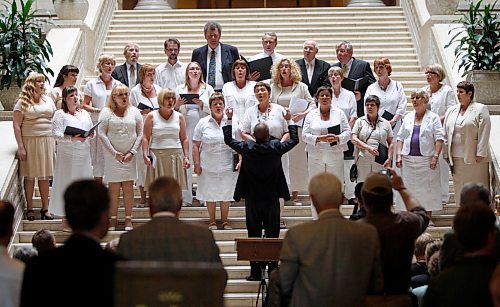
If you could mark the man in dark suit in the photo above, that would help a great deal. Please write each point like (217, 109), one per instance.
(222, 58)
(261, 181)
(314, 71)
(165, 237)
(128, 71)
(354, 69)
(70, 267)
(331, 261)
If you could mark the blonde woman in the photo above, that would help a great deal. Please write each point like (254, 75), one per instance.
(120, 132)
(193, 111)
(165, 139)
(286, 85)
(96, 93)
(32, 122)
(144, 96)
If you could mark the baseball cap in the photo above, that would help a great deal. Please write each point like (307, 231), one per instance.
(378, 184)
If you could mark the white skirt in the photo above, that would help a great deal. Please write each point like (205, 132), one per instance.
(216, 186)
(422, 182)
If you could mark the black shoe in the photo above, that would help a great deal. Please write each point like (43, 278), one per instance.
(352, 201)
(44, 215)
(252, 278)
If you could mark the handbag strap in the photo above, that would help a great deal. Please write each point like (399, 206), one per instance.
(373, 129)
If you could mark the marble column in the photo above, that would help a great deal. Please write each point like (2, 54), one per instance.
(155, 4)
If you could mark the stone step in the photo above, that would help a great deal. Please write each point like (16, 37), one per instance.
(240, 299)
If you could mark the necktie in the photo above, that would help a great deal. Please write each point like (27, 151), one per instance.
(310, 71)
(131, 79)
(344, 70)
(211, 69)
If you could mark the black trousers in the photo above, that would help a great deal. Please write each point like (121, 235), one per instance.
(262, 214)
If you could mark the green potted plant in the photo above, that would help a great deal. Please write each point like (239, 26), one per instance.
(477, 50)
(23, 47)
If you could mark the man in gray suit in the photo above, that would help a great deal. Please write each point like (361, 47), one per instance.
(165, 237)
(331, 261)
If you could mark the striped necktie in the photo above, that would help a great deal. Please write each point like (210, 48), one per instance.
(131, 79)
(211, 69)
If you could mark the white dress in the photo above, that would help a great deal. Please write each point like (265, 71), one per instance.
(120, 134)
(192, 114)
(240, 99)
(136, 97)
(96, 89)
(73, 158)
(217, 179)
(392, 100)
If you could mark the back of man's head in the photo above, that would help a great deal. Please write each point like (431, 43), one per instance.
(421, 243)
(326, 191)
(84, 202)
(473, 224)
(43, 240)
(474, 193)
(261, 133)
(165, 195)
(25, 253)
(377, 193)
(6, 221)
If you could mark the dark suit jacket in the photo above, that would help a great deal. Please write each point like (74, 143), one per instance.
(229, 54)
(319, 77)
(120, 74)
(165, 238)
(359, 69)
(261, 174)
(61, 277)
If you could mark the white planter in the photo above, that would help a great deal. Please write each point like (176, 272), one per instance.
(441, 7)
(71, 9)
(486, 85)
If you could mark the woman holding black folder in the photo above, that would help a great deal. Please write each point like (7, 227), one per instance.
(73, 151)
(419, 144)
(372, 136)
(326, 132)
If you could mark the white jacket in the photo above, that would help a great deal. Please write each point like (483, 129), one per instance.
(431, 131)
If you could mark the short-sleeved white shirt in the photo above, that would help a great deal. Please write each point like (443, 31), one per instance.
(96, 90)
(273, 117)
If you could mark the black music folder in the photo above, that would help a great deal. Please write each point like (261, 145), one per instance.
(263, 66)
(190, 97)
(77, 131)
(383, 154)
(355, 84)
(334, 130)
(143, 106)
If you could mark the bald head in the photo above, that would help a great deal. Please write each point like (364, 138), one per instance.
(326, 191)
(261, 133)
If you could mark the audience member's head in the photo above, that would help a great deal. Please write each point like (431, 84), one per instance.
(432, 248)
(495, 287)
(377, 193)
(43, 240)
(474, 193)
(433, 265)
(261, 133)
(6, 221)
(25, 253)
(325, 190)
(165, 196)
(421, 244)
(86, 203)
(474, 226)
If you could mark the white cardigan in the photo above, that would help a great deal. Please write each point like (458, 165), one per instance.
(431, 131)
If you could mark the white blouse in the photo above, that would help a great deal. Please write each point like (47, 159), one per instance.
(273, 117)
(215, 155)
(240, 99)
(392, 100)
(114, 128)
(441, 100)
(61, 120)
(346, 101)
(204, 93)
(96, 89)
(314, 126)
(136, 97)
(431, 131)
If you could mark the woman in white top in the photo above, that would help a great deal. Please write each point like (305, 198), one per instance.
(68, 75)
(213, 163)
(120, 132)
(346, 101)
(32, 121)
(239, 94)
(441, 98)
(419, 143)
(285, 86)
(369, 132)
(96, 94)
(325, 148)
(165, 143)
(73, 152)
(192, 111)
(467, 127)
(144, 96)
(391, 94)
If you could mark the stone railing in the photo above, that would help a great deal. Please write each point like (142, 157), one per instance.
(495, 160)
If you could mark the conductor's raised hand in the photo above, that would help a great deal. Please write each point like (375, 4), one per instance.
(229, 113)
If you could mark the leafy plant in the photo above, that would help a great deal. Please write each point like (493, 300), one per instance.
(23, 47)
(479, 47)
